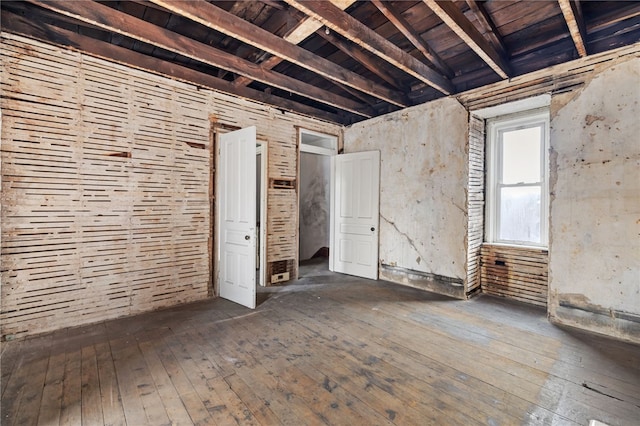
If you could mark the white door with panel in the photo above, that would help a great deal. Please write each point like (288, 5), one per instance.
(355, 214)
(237, 217)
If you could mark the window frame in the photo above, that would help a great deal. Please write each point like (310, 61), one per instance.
(494, 127)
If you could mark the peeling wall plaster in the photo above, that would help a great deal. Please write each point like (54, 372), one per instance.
(423, 223)
(595, 203)
(315, 177)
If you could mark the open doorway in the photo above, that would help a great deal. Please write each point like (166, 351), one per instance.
(261, 212)
(316, 150)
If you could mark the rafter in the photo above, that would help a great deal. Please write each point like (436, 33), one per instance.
(48, 33)
(407, 30)
(573, 16)
(451, 15)
(104, 17)
(304, 29)
(220, 20)
(360, 56)
(354, 30)
(481, 14)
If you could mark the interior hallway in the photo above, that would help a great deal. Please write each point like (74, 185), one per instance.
(327, 349)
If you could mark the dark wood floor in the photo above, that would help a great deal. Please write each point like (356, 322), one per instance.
(327, 349)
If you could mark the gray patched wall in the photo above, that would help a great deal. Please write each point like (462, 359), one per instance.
(315, 178)
(423, 222)
(594, 250)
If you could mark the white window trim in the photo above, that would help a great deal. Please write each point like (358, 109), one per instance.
(515, 121)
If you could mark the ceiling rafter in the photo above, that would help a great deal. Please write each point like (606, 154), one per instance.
(220, 20)
(572, 12)
(483, 17)
(109, 19)
(300, 32)
(407, 30)
(354, 30)
(49, 33)
(451, 15)
(360, 56)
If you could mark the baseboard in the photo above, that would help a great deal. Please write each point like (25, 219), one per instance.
(440, 284)
(620, 325)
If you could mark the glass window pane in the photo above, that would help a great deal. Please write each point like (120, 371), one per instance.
(521, 155)
(520, 214)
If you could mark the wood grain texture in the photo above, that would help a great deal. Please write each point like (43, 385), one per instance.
(515, 272)
(329, 349)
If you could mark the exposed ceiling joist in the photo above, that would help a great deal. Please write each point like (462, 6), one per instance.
(407, 30)
(359, 56)
(109, 19)
(49, 33)
(218, 19)
(352, 29)
(304, 29)
(451, 15)
(481, 14)
(573, 15)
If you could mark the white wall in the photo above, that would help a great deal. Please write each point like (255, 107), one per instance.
(594, 266)
(315, 177)
(423, 181)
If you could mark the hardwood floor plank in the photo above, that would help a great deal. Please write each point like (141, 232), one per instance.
(71, 413)
(327, 349)
(91, 400)
(170, 397)
(110, 397)
(195, 406)
(132, 381)
(49, 413)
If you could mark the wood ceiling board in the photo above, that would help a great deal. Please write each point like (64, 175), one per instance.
(360, 34)
(459, 23)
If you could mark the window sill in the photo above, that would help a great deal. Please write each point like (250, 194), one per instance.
(517, 246)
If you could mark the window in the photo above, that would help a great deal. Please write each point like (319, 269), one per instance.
(517, 191)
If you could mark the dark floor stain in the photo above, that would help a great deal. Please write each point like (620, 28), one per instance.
(328, 386)
(391, 414)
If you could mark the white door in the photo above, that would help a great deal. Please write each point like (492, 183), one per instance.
(355, 214)
(237, 217)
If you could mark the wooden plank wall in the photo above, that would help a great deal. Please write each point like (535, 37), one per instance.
(515, 272)
(105, 187)
(475, 203)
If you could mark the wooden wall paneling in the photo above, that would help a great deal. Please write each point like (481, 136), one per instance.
(475, 202)
(515, 272)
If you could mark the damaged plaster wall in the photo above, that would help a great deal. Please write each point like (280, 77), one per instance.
(594, 266)
(423, 218)
(315, 173)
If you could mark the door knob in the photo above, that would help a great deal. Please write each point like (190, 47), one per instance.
(373, 229)
(246, 237)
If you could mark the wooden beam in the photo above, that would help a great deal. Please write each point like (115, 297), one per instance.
(361, 57)
(573, 16)
(220, 20)
(354, 30)
(483, 17)
(112, 20)
(405, 28)
(451, 15)
(39, 30)
(304, 29)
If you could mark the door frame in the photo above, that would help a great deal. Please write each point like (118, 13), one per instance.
(312, 149)
(263, 149)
